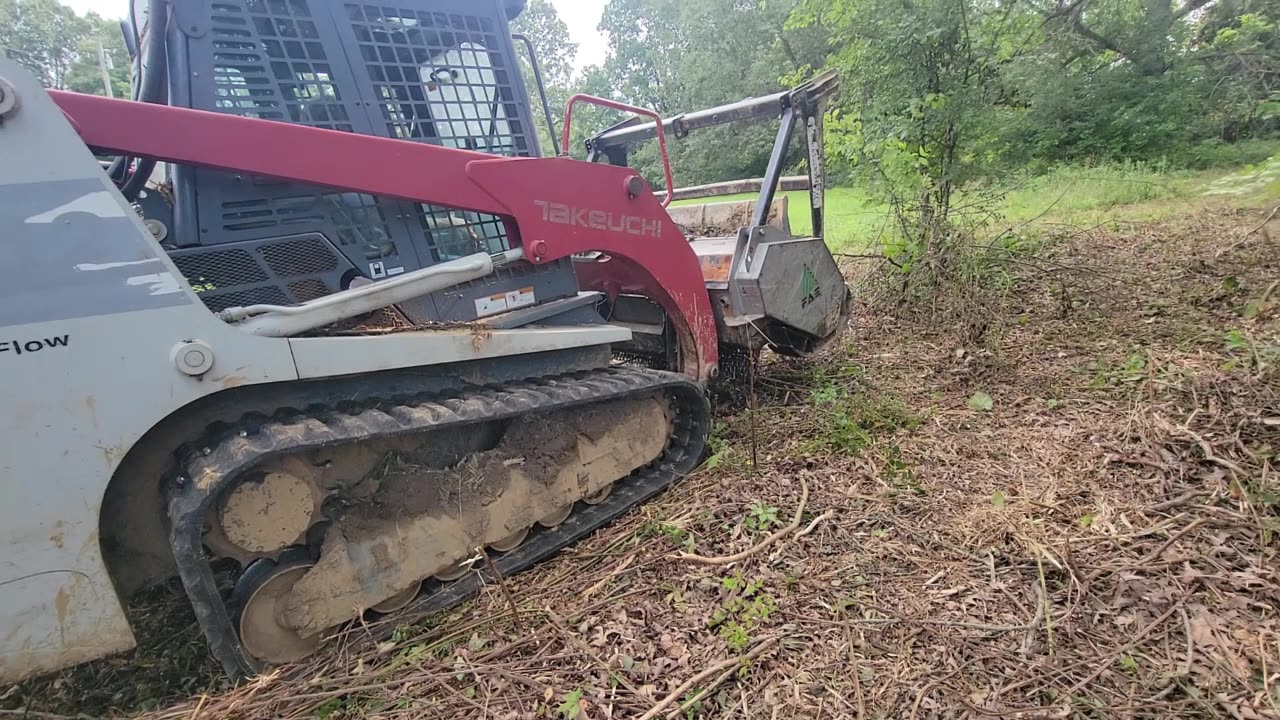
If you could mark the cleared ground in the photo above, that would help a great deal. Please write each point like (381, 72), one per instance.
(1076, 515)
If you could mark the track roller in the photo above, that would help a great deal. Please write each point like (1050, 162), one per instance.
(557, 516)
(454, 571)
(262, 586)
(283, 608)
(510, 542)
(598, 496)
(399, 600)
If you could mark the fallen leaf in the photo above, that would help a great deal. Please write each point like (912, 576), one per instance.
(981, 401)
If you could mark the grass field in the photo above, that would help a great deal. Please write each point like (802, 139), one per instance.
(1072, 194)
(853, 216)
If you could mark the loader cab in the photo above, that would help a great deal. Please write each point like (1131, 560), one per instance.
(434, 71)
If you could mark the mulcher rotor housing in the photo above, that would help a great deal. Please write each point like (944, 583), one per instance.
(326, 326)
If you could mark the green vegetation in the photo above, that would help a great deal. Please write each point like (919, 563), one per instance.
(939, 93)
(853, 216)
(848, 421)
(955, 118)
(761, 517)
(961, 118)
(1077, 194)
(570, 706)
(61, 48)
(745, 604)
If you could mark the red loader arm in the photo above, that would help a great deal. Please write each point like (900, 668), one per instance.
(555, 207)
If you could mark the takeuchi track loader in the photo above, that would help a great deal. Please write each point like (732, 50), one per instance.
(309, 320)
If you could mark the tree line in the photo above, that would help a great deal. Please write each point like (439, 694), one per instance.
(62, 48)
(943, 98)
(962, 89)
(945, 90)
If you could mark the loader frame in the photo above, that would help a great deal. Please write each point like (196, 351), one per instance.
(114, 363)
(553, 207)
(799, 106)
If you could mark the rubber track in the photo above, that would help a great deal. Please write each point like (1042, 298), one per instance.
(214, 464)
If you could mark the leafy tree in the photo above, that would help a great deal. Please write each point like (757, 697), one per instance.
(1239, 49)
(550, 37)
(1124, 79)
(1144, 33)
(646, 41)
(41, 35)
(60, 47)
(590, 119)
(683, 55)
(925, 85)
(85, 74)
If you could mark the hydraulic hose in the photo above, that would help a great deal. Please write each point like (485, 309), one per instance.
(150, 89)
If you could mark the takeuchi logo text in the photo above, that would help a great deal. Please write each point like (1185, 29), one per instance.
(599, 219)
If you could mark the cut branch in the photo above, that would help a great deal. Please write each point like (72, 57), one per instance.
(726, 559)
(721, 666)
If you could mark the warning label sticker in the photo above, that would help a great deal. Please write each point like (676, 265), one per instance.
(502, 302)
(519, 298)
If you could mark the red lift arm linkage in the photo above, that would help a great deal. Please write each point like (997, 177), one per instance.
(556, 206)
(615, 105)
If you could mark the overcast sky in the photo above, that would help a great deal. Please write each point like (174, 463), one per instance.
(582, 17)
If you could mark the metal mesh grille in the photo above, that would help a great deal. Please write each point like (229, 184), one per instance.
(269, 63)
(433, 71)
(299, 257)
(635, 358)
(436, 81)
(220, 268)
(453, 233)
(360, 222)
(267, 295)
(311, 289)
(735, 364)
(256, 271)
(357, 218)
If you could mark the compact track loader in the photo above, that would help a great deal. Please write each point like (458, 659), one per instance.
(309, 321)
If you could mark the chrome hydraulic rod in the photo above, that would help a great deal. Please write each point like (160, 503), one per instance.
(289, 320)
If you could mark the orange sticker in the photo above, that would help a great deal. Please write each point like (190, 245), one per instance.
(715, 268)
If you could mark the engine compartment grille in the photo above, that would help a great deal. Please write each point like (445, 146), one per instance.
(278, 271)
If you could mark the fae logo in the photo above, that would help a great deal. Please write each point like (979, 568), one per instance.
(809, 289)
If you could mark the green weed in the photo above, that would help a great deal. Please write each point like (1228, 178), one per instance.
(1132, 371)
(761, 517)
(746, 604)
(1244, 352)
(723, 453)
(570, 705)
(693, 709)
(847, 422)
(333, 707)
(677, 535)
(898, 474)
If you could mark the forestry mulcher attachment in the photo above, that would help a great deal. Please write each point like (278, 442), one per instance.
(320, 323)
